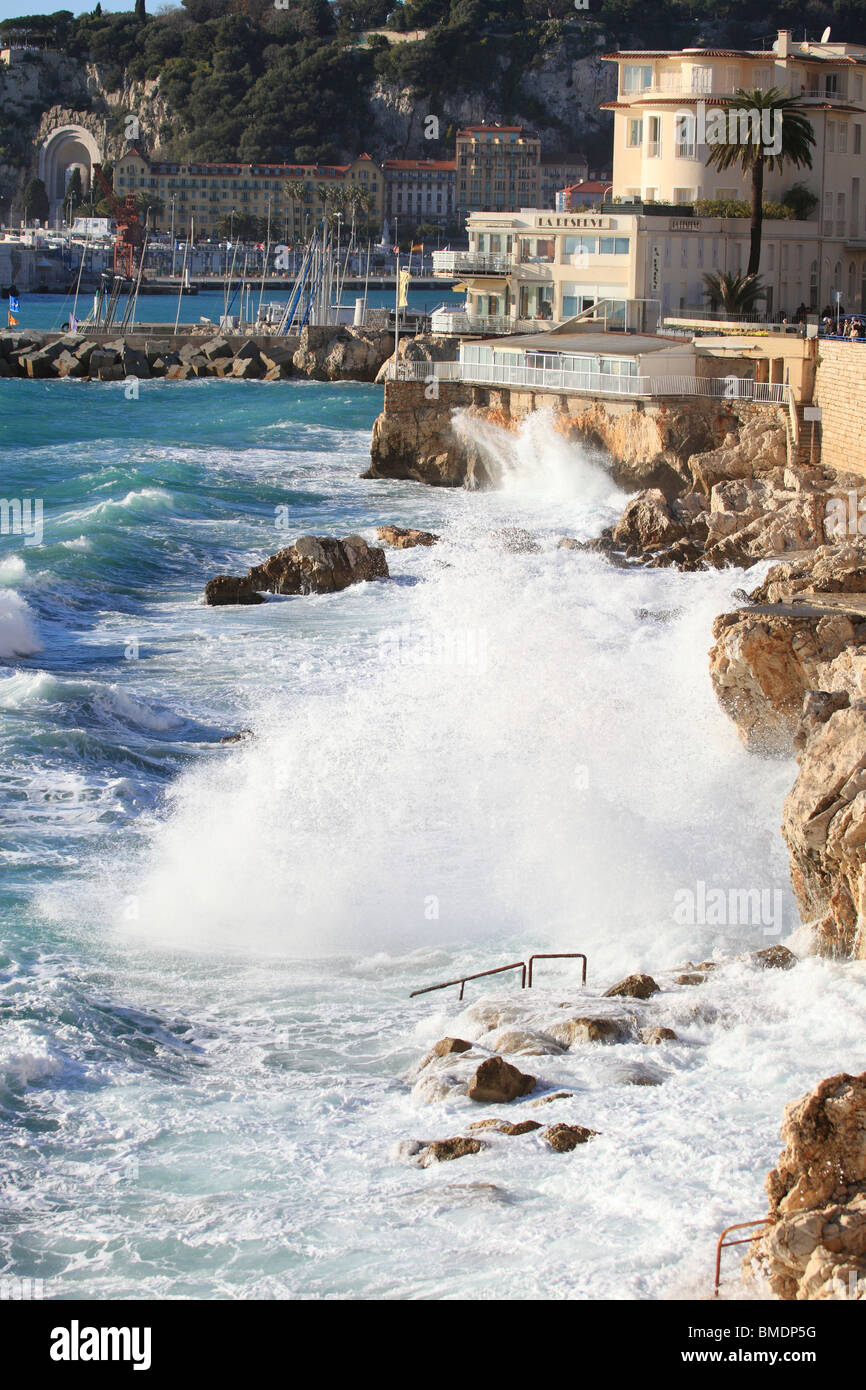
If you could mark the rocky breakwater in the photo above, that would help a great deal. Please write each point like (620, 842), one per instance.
(815, 1244)
(790, 669)
(313, 565)
(320, 354)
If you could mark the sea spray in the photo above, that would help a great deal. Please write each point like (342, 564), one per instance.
(208, 1113)
(562, 789)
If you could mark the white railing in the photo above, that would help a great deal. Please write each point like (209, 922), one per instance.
(591, 382)
(463, 262)
(457, 321)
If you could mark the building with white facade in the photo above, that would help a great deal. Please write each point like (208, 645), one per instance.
(644, 243)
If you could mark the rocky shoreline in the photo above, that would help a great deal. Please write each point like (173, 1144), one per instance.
(318, 354)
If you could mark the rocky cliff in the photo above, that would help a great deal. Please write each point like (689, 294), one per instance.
(815, 1246)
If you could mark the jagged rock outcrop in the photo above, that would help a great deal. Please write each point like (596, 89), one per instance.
(496, 1081)
(815, 1247)
(405, 537)
(824, 826)
(415, 439)
(424, 347)
(762, 665)
(730, 521)
(313, 565)
(342, 354)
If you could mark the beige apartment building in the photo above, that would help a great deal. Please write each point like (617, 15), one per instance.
(498, 168)
(659, 157)
(420, 190)
(533, 267)
(209, 192)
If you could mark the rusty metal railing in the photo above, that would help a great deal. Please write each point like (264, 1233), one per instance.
(558, 955)
(461, 980)
(725, 1244)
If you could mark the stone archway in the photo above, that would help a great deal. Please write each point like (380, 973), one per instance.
(62, 150)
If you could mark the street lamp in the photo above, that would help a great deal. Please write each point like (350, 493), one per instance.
(172, 233)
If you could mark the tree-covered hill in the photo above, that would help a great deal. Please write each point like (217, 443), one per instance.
(293, 79)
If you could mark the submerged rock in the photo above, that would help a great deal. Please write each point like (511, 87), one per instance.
(775, 958)
(634, 987)
(506, 1127)
(555, 1095)
(654, 1036)
(563, 1138)
(404, 538)
(573, 1031)
(496, 1080)
(226, 589)
(444, 1150)
(313, 565)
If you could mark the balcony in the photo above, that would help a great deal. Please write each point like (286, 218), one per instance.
(591, 382)
(458, 322)
(471, 263)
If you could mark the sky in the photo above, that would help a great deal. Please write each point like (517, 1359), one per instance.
(13, 9)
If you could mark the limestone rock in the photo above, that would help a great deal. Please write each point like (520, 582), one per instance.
(656, 1035)
(320, 565)
(573, 1031)
(634, 987)
(445, 1047)
(762, 666)
(525, 1041)
(329, 353)
(647, 523)
(824, 827)
(444, 1150)
(506, 1127)
(226, 589)
(496, 1080)
(563, 1138)
(817, 1239)
(775, 958)
(404, 538)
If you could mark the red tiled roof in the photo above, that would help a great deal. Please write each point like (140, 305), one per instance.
(447, 165)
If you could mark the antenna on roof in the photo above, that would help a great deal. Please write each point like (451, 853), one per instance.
(826, 34)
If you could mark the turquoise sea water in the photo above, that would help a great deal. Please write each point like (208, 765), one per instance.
(52, 311)
(206, 950)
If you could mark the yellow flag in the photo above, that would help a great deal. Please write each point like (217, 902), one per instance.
(403, 296)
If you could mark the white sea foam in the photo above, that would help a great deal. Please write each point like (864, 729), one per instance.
(426, 807)
(12, 570)
(17, 627)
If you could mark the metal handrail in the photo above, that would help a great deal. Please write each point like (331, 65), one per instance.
(558, 955)
(725, 1244)
(461, 981)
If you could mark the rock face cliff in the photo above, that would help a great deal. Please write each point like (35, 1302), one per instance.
(649, 444)
(790, 670)
(815, 1247)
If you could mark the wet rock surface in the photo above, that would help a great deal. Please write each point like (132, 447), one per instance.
(815, 1246)
(313, 565)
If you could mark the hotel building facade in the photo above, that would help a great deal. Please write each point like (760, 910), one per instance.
(209, 192)
(533, 267)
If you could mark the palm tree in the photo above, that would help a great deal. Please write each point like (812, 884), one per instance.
(752, 156)
(737, 294)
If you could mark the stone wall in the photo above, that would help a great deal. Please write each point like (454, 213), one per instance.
(840, 391)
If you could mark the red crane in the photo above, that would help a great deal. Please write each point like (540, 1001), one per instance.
(130, 235)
